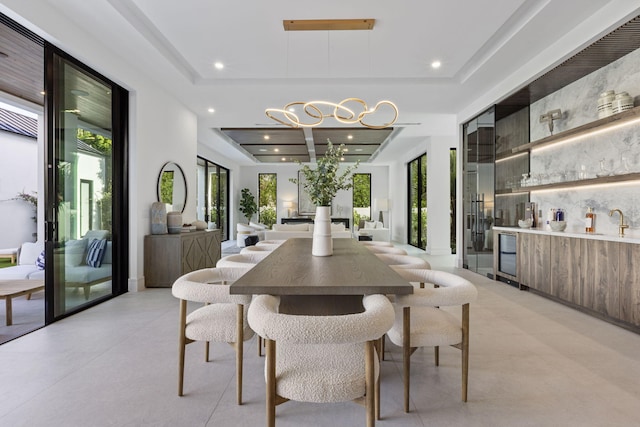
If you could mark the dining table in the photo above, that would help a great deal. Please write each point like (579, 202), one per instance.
(321, 285)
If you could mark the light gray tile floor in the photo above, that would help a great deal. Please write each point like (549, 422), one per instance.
(534, 362)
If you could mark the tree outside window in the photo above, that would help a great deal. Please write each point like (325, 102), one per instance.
(361, 197)
(267, 198)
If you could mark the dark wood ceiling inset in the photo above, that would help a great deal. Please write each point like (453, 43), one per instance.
(270, 145)
(625, 39)
(361, 143)
(21, 64)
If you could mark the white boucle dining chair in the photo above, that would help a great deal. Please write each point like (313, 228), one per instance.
(259, 252)
(379, 249)
(420, 321)
(375, 243)
(222, 319)
(398, 261)
(321, 358)
(270, 242)
(246, 261)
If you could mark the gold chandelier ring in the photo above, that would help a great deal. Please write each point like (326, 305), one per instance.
(362, 115)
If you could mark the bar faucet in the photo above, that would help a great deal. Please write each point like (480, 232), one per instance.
(622, 225)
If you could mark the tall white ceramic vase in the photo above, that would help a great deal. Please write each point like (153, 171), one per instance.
(322, 242)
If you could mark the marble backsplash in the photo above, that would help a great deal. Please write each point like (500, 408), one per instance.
(618, 149)
(579, 100)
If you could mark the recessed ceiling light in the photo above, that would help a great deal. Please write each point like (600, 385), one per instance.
(218, 65)
(346, 150)
(266, 137)
(211, 110)
(284, 159)
(358, 149)
(263, 149)
(42, 92)
(349, 136)
(276, 149)
(436, 64)
(342, 159)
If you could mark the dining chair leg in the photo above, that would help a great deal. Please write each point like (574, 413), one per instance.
(239, 350)
(259, 346)
(182, 343)
(382, 346)
(270, 354)
(465, 350)
(436, 355)
(377, 397)
(369, 369)
(406, 353)
(206, 351)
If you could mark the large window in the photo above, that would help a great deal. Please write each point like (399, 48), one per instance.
(267, 198)
(452, 199)
(212, 196)
(418, 202)
(361, 197)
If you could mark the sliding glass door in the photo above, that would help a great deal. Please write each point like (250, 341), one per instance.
(86, 233)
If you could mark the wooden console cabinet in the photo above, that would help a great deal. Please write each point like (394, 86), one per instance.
(169, 256)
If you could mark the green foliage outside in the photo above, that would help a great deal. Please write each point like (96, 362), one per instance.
(267, 198)
(361, 197)
(166, 187)
(248, 204)
(323, 183)
(105, 146)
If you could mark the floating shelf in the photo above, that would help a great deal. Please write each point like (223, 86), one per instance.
(616, 119)
(613, 179)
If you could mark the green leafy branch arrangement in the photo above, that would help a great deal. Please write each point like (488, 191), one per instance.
(323, 183)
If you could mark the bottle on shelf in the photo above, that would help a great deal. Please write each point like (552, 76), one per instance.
(590, 221)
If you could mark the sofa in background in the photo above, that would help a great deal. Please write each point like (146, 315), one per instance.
(376, 230)
(286, 231)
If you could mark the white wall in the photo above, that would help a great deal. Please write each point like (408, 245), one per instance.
(438, 194)
(18, 174)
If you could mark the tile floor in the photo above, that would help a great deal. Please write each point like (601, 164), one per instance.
(533, 363)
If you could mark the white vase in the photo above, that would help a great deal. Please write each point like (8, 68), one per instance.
(322, 242)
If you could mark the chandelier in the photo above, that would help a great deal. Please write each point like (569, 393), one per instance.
(314, 113)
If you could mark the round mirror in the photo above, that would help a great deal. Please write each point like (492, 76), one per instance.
(172, 187)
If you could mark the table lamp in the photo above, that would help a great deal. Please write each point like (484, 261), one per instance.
(288, 205)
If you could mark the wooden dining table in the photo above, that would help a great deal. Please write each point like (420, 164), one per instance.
(321, 285)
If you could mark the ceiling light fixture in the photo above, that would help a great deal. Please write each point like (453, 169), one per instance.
(342, 112)
(266, 137)
(211, 110)
(218, 65)
(328, 24)
(436, 64)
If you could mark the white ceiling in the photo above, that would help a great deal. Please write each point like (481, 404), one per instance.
(479, 43)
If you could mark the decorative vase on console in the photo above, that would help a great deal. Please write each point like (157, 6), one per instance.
(322, 184)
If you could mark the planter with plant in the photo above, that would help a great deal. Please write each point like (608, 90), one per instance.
(322, 184)
(248, 205)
